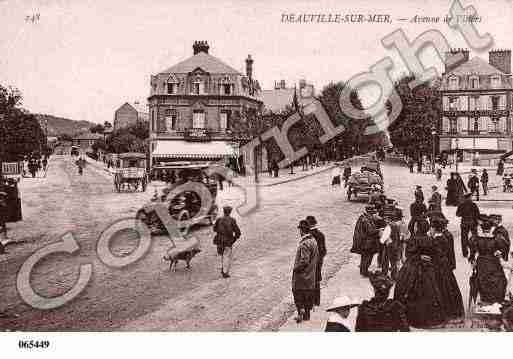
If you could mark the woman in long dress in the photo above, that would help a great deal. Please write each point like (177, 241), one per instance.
(452, 191)
(489, 248)
(417, 283)
(444, 261)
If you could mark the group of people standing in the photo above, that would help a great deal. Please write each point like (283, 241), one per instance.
(456, 188)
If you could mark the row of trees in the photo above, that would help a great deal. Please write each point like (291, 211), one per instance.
(307, 131)
(20, 132)
(129, 139)
(411, 132)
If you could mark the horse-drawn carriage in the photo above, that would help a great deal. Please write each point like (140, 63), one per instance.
(185, 199)
(369, 179)
(131, 175)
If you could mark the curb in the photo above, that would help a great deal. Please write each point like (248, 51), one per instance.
(296, 178)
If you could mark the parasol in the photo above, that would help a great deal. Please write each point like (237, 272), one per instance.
(472, 297)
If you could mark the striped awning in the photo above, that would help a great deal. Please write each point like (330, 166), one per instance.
(197, 150)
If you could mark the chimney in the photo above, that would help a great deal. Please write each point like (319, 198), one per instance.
(454, 58)
(249, 67)
(500, 59)
(200, 46)
(282, 84)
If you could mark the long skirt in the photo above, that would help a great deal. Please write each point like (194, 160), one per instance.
(417, 288)
(491, 280)
(452, 301)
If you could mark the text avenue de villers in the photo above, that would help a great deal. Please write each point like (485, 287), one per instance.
(335, 18)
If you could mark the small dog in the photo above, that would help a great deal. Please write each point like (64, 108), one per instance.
(184, 256)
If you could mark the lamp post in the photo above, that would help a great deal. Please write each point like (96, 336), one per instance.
(433, 134)
(457, 147)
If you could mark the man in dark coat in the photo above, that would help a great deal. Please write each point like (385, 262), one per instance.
(304, 273)
(469, 214)
(381, 314)
(418, 210)
(418, 193)
(484, 181)
(346, 174)
(366, 238)
(228, 233)
(496, 220)
(473, 184)
(320, 239)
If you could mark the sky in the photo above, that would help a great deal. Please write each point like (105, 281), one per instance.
(84, 59)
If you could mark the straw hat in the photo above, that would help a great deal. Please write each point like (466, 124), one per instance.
(342, 302)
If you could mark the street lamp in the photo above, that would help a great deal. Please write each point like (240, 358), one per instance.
(433, 134)
(457, 147)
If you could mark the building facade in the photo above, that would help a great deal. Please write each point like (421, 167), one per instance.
(193, 105)
(477, 102)
(129, 115)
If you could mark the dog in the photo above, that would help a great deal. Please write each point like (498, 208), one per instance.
(184, 256)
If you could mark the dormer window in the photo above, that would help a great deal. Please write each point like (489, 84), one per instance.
(172, 85)
(474, 82)
(227, 89)
(453, 83)
(172, 89)
(495, 81)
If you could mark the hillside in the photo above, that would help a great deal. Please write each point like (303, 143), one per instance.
(58, 125)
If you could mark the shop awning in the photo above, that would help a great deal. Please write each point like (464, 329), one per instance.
(198, 150)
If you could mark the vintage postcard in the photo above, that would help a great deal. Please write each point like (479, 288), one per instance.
(249, 166)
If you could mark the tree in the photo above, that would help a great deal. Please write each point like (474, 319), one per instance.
(107, 124)
(411, 131)
(126, 142)
(20, 132)
(99, 144)
(65, 137)
(97, 129)
(349, 141)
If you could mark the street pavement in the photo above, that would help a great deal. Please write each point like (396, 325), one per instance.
(147, 295)
(349, 282)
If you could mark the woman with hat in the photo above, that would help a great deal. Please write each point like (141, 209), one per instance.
(380, 314)
(489, 248)
(339, 312)
(304, 273)
(417, 283)
(444, 262)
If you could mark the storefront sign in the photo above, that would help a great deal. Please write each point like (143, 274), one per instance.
(197, 134)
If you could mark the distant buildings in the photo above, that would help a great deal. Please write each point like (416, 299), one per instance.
(129, 115)
(277, 99)
(477, 104)
(193, 105)
(85, 140)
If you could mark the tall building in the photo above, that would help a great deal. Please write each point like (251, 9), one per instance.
(193, 105)
(477, 102)
(130, 114)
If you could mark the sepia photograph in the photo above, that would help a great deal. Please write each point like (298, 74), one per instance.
(281, 166)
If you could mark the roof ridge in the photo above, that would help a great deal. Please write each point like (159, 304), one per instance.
(201, 60)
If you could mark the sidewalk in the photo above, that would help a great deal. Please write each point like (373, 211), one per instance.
(347, 281)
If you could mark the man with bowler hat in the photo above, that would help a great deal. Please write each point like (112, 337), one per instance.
(366, 238)
(320, 239)
(304, 273)
(469, 214)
